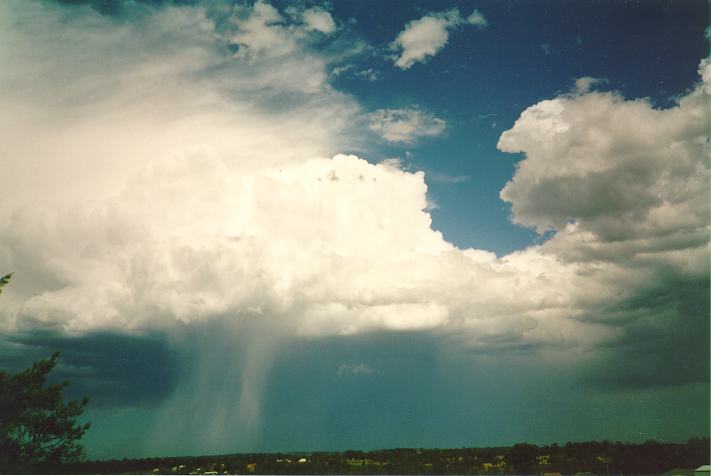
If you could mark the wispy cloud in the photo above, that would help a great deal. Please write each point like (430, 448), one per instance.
(477, 19)
(405, 125)
(370, 74)
(444, 178)
(354, 369)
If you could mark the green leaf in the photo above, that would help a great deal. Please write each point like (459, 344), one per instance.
(4, 280)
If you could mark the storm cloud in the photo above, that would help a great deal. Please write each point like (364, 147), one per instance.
(176, 192)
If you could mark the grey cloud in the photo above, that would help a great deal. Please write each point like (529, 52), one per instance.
(115, 370)
(663, 338)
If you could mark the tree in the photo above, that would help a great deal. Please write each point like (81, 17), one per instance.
(4, 280)
(523, 457)
(36, 427)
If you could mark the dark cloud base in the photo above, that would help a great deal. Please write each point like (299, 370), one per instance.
(664, 339)
(111, 7)
(113, 369)
(385, 389)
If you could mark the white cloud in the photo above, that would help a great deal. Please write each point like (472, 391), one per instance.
(421, 39)
(189, 202)
(168, 92)
(261, 31)
(586, 83)
(405, 125)
(705, 72)
(316, 19)
(278, 49)
(370, 74)
(339, 70)
(620, 170)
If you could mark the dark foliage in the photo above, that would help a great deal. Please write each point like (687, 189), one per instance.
(523, 458)
(593, 457)
(37, 429)
(4, 280)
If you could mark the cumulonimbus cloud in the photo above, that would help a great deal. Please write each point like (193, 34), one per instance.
(175, 190)
(232, 215)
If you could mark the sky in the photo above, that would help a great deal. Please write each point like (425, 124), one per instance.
(294, 226)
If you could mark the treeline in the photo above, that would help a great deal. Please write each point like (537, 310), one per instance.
(601, 458)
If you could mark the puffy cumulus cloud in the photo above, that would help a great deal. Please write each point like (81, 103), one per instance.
(193, 229)
(423, 38)
(405, 125)
(624, 186)
(619, 177)
(324, 247)
(327, 246)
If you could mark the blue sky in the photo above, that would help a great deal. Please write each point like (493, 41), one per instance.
(643, 49)
(280, 226)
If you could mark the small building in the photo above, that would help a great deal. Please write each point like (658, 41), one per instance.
(680, 472)
(704, 470)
